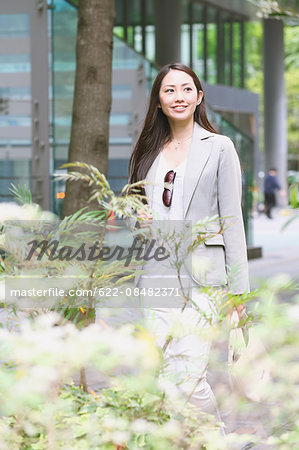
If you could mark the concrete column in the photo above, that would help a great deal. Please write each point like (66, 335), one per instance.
(168, 19)
(275, 115)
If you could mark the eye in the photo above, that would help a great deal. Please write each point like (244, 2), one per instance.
(169, 90)
(188, 89)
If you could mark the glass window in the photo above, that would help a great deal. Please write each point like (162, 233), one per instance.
(138, 39)
(123, 56)
(224, 49)
(15, 121)
(215, 49)
(211, 46)
(228, 51)
(119, 4)
(15, 143)
(130, 36)
(18, 172)
(132, 10)
(120, 119)
(135, 12)
(118, 173)
(16, 92)
(150, 42)
(15, 102)
(198, 39)
(64, 28)
(185, 44)
(120, 91)
(15, 63)
(237, 57)
(14, 25)
(185, 32)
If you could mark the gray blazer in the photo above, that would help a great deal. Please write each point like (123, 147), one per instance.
(213, 187)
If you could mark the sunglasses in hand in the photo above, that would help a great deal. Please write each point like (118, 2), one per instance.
(168, 188)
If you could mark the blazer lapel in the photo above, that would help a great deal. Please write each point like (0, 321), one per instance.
(200, 151)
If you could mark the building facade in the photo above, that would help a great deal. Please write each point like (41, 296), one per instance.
(37, 66)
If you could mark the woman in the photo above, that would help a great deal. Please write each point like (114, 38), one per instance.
(192, 172)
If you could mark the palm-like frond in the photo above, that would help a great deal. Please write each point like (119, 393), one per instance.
(125, 204)
(21, 194)
(93, 177)
(289, 221)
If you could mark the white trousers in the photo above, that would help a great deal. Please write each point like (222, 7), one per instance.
(187, 353)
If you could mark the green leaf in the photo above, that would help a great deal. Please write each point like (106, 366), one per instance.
(21, 194)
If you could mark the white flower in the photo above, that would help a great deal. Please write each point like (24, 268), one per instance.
(13, 211)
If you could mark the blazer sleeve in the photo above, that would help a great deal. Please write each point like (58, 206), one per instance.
(230, 211)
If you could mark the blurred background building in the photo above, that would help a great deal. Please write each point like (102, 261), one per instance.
(37, 66)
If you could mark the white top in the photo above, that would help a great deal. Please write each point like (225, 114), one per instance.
(175, 211)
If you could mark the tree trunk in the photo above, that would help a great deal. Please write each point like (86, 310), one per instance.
(92, 97)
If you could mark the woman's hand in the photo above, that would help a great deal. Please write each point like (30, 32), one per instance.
(144, 216)
(239, 307)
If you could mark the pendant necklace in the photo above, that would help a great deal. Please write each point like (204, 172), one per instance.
(178, 143)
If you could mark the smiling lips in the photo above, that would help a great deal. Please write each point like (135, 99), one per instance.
(179, 107)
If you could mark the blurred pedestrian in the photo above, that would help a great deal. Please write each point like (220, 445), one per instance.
(271, 186)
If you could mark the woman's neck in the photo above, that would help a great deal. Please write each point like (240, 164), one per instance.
(180, 130)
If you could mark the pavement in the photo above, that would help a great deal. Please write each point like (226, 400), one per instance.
(280, 246)
(280, 255)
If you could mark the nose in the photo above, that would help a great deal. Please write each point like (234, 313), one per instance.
(179, 96)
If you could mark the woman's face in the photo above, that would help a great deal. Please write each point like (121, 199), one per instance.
(178, 96)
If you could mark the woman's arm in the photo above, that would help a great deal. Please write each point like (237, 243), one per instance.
(229, 203)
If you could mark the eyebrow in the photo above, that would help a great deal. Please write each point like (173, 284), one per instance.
(173, 85)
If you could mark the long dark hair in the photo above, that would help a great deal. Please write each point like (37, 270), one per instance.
(156, 129)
